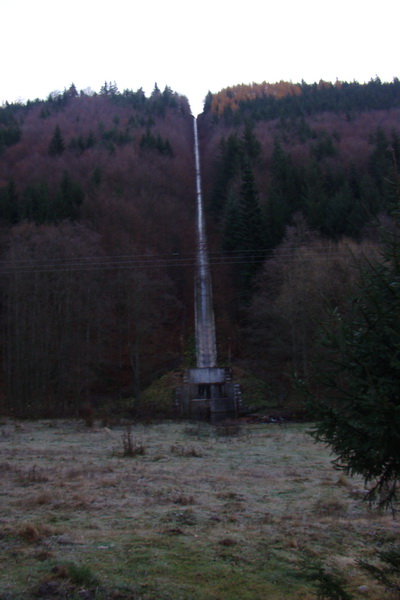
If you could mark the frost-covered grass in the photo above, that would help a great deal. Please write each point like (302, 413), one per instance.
(197, 512)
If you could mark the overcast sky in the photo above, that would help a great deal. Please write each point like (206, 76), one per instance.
(192, 47)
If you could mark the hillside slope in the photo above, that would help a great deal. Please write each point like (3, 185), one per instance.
(97, 205)
(97, 221)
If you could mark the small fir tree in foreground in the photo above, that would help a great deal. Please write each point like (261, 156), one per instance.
(358, 412)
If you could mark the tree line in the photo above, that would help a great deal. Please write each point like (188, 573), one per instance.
(263, 102)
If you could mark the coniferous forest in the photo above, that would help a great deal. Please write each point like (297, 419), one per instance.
(97, 223)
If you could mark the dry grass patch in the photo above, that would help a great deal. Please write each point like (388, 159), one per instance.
(181, 450)
(197, 514)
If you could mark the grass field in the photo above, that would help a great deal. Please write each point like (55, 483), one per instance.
(177, 511)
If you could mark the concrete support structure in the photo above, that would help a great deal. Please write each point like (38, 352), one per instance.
(209, 393)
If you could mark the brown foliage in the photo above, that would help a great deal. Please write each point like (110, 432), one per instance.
(70, 332)
(231, 96)
(306, 277)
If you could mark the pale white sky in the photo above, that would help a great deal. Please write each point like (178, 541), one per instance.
(45, 45)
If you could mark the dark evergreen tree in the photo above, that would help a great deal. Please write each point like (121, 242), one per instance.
(9, 209)
(358, 413)
(36, 204)
(9, 135)
(109, 89)
(276, 219)
(250, 230)
(381, 161)
(323, 147)
(83, 142)
(72, 92)
(341, 214)
(395, 147)
(250, 143)
(207, 102)
(284, 196)
(97, 176)
(228, 168)
(57, 144)
(284, 176)
(244, 231)
(10, 131)
(232, 227)
(69, 199)
(338, 203)
(314, 196)
(149, 141)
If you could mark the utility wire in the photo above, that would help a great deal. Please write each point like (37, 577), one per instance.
(7, 268)
(167, 260)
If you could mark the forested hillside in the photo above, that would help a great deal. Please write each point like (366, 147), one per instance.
(97, 218)
(96, 204)
(297, 179)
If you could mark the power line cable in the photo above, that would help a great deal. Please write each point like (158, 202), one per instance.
(167, 260)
